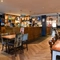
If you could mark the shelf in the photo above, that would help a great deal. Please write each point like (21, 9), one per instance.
(12, 18)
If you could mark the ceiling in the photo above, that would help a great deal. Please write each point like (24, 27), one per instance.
(32, 7)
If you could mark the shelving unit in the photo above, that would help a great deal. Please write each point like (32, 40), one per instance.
(25, 21)
(11, 19)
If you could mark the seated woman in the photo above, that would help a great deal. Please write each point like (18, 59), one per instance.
(53, 33)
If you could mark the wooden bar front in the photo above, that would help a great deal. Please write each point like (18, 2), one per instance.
(33, 32)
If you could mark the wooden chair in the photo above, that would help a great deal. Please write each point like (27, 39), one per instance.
(56, 37)
(51, 44)
(59, 35)
(15, 44)
(53, 41)
(3, 41)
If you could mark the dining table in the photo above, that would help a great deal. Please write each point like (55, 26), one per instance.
(8, 38)
(56, 50)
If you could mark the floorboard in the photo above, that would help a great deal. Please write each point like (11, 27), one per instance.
(38, 50)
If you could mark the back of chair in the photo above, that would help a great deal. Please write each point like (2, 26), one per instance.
(3, 34)
(18, 40)
(53, 41)
(50, 43)
(59, 35)
(25, 37)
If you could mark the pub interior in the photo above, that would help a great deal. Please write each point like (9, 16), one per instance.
(33, 35)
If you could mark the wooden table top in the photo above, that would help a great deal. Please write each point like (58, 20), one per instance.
(9, 36)
(56, 46)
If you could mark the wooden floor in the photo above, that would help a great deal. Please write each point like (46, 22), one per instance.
(38, 50)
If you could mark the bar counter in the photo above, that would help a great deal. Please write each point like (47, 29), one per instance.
(33, 32)
(48, 31)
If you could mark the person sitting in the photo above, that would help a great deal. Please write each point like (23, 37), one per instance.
(53, 33)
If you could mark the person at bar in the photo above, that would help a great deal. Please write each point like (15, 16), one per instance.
(22, 30)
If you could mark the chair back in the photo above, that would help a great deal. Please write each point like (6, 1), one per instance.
(53, 41)
(56, 37)
(24, 37)
(3, 34)
(59, 35)
(17, 41)
(50, 43)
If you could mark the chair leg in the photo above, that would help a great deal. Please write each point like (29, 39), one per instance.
(8, 49)
(15, 50)
(22, 46)
(51, 54)
(26, 45)
(2, 47)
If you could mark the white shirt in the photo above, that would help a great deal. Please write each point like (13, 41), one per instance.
(53, 34)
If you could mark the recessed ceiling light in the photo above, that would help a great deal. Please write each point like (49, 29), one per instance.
(1, 0)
